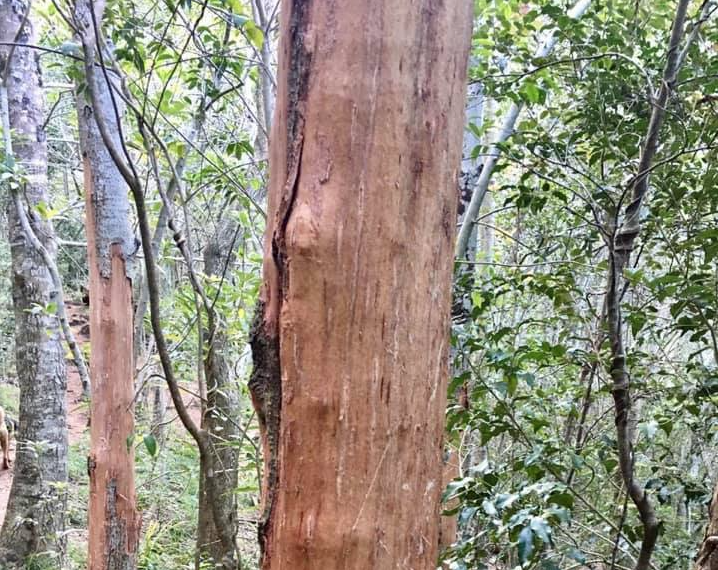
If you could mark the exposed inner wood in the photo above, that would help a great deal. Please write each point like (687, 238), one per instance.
(358, 262)
(115, 529)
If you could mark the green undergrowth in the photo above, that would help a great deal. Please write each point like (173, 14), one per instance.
(167, 494)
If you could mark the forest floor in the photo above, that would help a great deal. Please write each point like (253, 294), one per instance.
(77, 409)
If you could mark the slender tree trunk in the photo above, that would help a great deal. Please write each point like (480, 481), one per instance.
(351, 340)
(114, 523)
(546, 45)
(621, 244)
(35, 511)
(464, 274)
(219, 421)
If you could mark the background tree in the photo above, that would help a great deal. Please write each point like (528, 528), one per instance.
(34, 523)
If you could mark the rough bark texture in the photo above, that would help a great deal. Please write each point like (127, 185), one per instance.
(35, 512)
(218, 421)
(708, 554)
(114, 523)
(351, 343)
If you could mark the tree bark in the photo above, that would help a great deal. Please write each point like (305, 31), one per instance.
(219, 422)
(351, 339)
(707, 558)
(35, 512)
(114, 523)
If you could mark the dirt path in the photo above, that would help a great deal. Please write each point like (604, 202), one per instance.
(77, 411)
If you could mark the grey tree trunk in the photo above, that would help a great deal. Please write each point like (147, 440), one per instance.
(221, 407)
(35, 511)
(464, 276)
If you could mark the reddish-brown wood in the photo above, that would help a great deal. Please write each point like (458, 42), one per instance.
(351, 349)
(114, 523)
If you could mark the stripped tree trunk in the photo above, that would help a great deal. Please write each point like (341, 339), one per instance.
(351, 339)
(114, 523)
(35, 511)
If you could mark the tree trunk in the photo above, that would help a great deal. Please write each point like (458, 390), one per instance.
(621, 243)
(464, 275)
(219, 422)
(114, 523)
(708, 554)
(35, 510)
(352, 337)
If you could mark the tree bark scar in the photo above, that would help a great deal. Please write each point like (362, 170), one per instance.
(299, 68)
(265, 386)
(265, 383)
(289, 196)
(121, 541)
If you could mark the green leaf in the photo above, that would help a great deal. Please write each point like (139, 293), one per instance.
(254, 34)
(512, 382)
(46, 212)
(530, 92)
(562, 499)
(454, 488)
(526, 544)
(610, 464)
(150, 444)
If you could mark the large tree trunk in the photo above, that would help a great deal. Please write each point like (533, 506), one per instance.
(219, 421)
(35, 511)
(352, 338)
(114, 523)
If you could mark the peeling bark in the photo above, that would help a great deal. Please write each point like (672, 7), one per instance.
(35, 511)
(351, 337)
(114, 522)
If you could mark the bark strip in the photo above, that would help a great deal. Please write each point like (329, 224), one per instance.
(113, 518)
